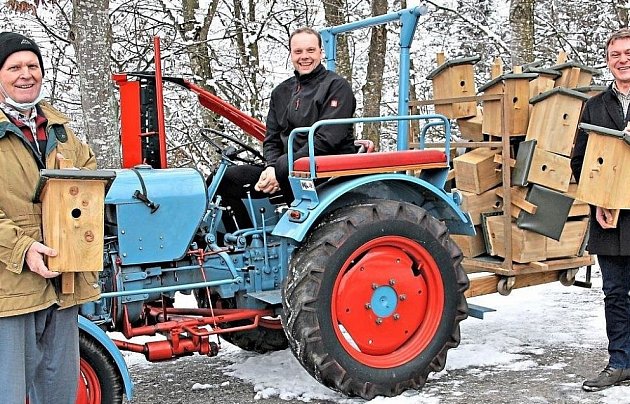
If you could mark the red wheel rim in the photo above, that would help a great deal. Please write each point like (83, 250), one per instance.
(89, 391)
(387, 302)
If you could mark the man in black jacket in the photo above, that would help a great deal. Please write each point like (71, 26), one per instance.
(611, 244)
(313, 94)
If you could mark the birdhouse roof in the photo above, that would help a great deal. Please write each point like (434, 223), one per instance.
(509, 76)
(558, 90)
(451, 63)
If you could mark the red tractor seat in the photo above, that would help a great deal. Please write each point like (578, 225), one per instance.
(370, 163)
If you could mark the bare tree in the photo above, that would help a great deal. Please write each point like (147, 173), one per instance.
(622, 7)
(91, 37)
(373, 87)
(522, 29)
(335, 14)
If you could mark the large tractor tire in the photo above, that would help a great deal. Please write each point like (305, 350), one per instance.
(267, 337)
(374, 297)
(99, 381)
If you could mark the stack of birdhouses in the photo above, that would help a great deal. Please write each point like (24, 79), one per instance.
(539, 109)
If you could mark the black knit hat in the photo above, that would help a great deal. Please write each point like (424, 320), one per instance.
(11, 42)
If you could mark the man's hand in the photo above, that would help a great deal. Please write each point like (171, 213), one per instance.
(35, 259)
(267, 182)
(604, 217)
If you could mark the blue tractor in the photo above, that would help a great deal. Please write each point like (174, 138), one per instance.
(358, 275)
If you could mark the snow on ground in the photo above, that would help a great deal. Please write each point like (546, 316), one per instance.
(529, 320)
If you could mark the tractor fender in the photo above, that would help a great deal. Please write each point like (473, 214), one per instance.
(344, 191)
(101, 337)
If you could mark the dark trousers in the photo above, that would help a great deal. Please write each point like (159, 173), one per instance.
(239, 180)
(616, 286)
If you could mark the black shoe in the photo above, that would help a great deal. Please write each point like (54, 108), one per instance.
(606, 378)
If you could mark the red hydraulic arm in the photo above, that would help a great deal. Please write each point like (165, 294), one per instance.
(143, 138)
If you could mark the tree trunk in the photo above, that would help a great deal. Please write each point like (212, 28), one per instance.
(196, 35)
(335, 14)
(248, 51)
(372, 90)
(622, 12)
(522, 28)
(92, 41)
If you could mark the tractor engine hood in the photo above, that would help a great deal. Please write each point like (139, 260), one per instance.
(158, 212)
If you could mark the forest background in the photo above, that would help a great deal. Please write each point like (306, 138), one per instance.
(238, 50)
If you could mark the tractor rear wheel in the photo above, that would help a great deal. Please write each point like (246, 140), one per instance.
(374, 297)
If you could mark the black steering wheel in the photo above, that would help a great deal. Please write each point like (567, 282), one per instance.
(233, 148)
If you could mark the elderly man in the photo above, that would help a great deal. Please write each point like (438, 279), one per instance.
(39, 336)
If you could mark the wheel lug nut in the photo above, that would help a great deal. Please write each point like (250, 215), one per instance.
(374, 286)
(379, 321)
(402, 297)
(392, 282)
(368, 306)
(396, 316)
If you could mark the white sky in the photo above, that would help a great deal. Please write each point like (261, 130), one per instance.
(535, 318)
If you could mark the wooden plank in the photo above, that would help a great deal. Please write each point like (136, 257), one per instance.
(467, 145)
(483, 97)
(519, 201)
(486, 285)
(440, 58)
(499, 160)
(482, 264)
(496, 69)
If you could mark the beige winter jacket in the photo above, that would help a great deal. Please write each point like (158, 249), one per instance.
(22, 291)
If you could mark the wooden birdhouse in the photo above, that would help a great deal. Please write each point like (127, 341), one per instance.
(453, 79)
(514, 92)
(574, 74)
(554, 119)
(544, 82)
(539, 166)
(470, 128)
(605, 169)
(539, 209)
(471, 246)
(72, 218)
(476, 171)
(527, 246)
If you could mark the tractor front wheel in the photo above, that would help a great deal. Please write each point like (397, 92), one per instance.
(374, 298)
(99, 380)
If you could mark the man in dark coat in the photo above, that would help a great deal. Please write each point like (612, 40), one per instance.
(312, 94)
(611, 244)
